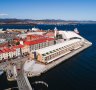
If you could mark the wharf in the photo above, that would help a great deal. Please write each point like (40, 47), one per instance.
(34, 68)
(37, 69)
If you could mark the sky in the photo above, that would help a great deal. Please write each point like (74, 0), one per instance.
(48, 9)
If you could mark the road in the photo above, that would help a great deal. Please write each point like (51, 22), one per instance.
(4, 65)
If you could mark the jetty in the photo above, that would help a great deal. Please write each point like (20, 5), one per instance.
(36, 69)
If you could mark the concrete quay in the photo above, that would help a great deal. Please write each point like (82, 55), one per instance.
(9, 65)
(22, 80)
(36, 68)
(32, 72)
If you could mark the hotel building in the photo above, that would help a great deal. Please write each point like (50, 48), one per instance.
(51, 53)
(34, 42)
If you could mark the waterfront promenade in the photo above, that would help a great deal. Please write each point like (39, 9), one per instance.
(22, 80)
(4, 65)
(9, 65)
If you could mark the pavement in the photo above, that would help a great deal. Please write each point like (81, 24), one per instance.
(22, 80)
(37, 69)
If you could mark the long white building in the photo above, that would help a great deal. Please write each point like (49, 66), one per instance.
(51, 53)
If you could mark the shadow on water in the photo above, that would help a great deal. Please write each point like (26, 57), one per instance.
(39, 85)
(4, 84)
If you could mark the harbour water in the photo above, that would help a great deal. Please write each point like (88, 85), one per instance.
(76, 73)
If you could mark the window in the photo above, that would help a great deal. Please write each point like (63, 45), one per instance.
(45, 58)
(44, 54)
(48, 53)
(54, 50)
(51, 52)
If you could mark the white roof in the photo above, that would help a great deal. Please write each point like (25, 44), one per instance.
(54, 47)
(30, 33)
(22, 35)
(38, 33)
(69, 34)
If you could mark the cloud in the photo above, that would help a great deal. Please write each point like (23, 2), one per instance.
(3, 14)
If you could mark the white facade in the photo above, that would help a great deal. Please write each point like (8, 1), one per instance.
(41, 45)
(1, 56)
(55, 31)
(22, 35)
(2, 40)
(25, 49)
(18, 53)
(53, 52)
(37, 33)
(50, 48)
(5, 55)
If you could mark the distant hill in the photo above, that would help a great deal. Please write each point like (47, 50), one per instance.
(15, 21)
(45, 21)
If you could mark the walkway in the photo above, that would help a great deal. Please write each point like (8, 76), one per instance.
(22, 80)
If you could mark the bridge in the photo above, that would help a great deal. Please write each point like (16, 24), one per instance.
(22, 80)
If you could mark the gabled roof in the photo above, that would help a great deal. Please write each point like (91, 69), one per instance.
(6, 50)
(18, 46)
(54, 47)
(1, 52)
(12, 49)
(34, 37)
(38, 41)
(50, 34)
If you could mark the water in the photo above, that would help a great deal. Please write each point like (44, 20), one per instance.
(76, 73)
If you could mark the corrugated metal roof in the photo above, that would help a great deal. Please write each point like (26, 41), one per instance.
(18, 46)
(54, 47)
(12, 49)
(69, 34)
(38, 41)
(6, 50)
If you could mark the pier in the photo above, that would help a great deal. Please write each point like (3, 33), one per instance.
(22, 80)
(42, 68)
